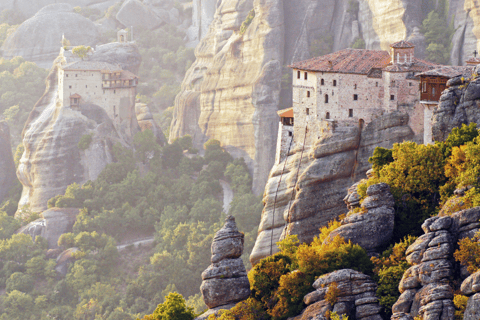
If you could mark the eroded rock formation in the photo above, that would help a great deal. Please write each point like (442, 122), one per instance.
(458, 105)
(54, 223)
(225, 281)
(146, 122)
(39, 38)
(7, 166)
(52, 159)
(336, 161)
(371, 228)
(356, 297)
(426, 289)
(471, 288)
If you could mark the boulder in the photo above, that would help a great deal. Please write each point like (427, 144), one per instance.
(55, 222)
(39, 38)
(146, 122)
(225, 280)
(8, 177)
(371, 228)
(472, 312)
(64, 260)
(136, 14)
(124, 54)
(356, 296)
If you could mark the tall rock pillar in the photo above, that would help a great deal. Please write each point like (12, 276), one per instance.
(7, 166)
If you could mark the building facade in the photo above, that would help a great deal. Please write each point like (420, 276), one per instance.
(353, 86)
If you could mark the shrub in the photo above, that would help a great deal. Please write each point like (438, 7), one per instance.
(292, 288)
(247, 22)
(460, 303)
(85, 141)
(81, 51)
(249, 309)
(468, 253)
(174, 308)
(332, 293)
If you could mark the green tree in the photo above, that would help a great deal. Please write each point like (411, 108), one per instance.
(81, 51)
(174, 308)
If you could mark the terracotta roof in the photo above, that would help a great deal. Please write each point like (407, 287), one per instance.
(76, 95)
(128, 75)
(473, 60)
(286, 113)
(402, 44)
(418, 65)
(450, 71)
(358, 61)
(91, 66)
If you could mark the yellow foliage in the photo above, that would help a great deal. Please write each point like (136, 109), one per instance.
(332, 293)
(332, 225)
(460, 303)
(468, 253)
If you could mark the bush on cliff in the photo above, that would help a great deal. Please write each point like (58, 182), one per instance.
(174, 308)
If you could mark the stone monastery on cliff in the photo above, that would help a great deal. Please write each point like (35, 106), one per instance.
(354, 86)
(81, 81)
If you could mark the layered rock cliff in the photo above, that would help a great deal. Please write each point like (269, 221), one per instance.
(310, 193)
(7, 167)
(52, 159)
(232, 90)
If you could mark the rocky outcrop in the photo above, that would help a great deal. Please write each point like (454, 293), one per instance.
(146, 122)
(64, 260)
(458, 105)
(231, 93)
(124, 54)
(54, 223)
(328, 169)
(471, 288)
(39, 38)
(135, 13)
(225, 280)
(426, 289)
(372, 227)
(202, 16)
(7, 166)
(355, 297)
(52, 159)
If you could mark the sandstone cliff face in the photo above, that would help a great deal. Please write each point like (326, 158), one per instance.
(52, 160)
(231, 92)
(7, 166)
(38, 39)
(328, 169)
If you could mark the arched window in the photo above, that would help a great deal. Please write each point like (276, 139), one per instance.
(405, 58)
(327, 116)
(322, 82)
(326, 98)
(433, 91)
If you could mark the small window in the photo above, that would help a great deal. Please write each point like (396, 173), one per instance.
(66, 75)
(289, 133)
(376, 84)
(86, 86)
(308, 94)
(355, 97)
(433, 91)
(327, 115)
(322, 82)
(334, 83)
(350, 113)
(409, 84)
(76, 75)
(306, 75)
(92, 74)
(424, 86)
(103, 91)
(326, 98)
(393, 83)
(308, 111)
(355, 86)
(69, 87)
(114, 91)
(298, 74)
(392, 97)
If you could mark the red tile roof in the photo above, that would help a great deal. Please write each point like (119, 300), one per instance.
(358, 61)
(286, 113)
(402, 44)
(450, 71)
(473, 60)
(418, 65)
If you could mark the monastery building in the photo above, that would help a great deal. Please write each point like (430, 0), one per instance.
(355, 86)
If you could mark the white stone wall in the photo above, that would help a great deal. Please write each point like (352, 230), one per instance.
(427, 130)
(119, 103)
(285, 137)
